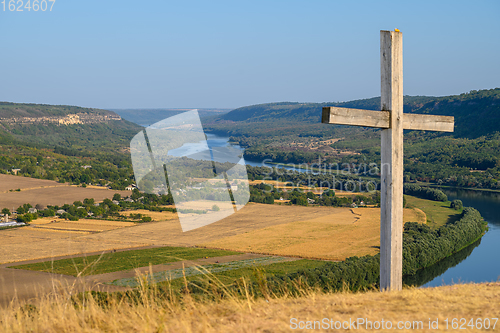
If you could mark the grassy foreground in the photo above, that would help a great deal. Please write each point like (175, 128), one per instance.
(417, 309)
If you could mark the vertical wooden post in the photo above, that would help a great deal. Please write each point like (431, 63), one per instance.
(391, 201)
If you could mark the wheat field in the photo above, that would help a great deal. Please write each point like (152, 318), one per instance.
(350, 232)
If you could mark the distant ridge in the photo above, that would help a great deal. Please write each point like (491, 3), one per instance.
(476, 113)
(9, 110)
(67, 126)
(146, 117)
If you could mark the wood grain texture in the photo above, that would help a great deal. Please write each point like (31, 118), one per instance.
(391, 201)
(426, 122)
(356, 117)
(381, 119)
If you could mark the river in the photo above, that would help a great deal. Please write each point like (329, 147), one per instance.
(479, 262)
(483, 263)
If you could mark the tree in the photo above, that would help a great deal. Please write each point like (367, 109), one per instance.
(88, 202)
(5, 211)
(215, 208)
(117, 197)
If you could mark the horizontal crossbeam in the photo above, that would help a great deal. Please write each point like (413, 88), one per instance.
(381, 119)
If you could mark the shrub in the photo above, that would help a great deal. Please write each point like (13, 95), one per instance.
(456, 204)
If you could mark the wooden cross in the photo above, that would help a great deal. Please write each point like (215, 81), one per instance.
(392, 121)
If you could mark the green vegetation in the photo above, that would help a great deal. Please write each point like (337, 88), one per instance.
(226, 273)
(122, 261)
(425, 192)
(255, 276)
(266, 193)
(422, 246)
(88, 153)
(438, 213)
(457, 204)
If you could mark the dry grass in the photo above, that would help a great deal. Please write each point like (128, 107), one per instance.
(247, 314)
(155, 216)
(82, 225)
(342, 234)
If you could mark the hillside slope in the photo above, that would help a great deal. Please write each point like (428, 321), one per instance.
(62, 125)
(476, 113)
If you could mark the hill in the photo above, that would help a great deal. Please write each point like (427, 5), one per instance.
(146, 117)
(292, 133)
(66, 126)
(476, 113)
(66, 143)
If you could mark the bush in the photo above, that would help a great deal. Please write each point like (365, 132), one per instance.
(146, 219)
(456, 204)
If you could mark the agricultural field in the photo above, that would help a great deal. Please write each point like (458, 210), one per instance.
(122, 261)
(38, 241)
(48, 240)
(316, 190)
(276, 229)
(155, 216)
(337, 236)
(46, 192)
(82, 225)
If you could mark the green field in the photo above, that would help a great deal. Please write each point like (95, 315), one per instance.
(252, 273)
(438, 212)
(226, 273)
(122, 261)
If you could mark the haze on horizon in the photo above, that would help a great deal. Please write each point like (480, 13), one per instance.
(197, 54)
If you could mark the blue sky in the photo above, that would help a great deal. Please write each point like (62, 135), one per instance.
(227, 54)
